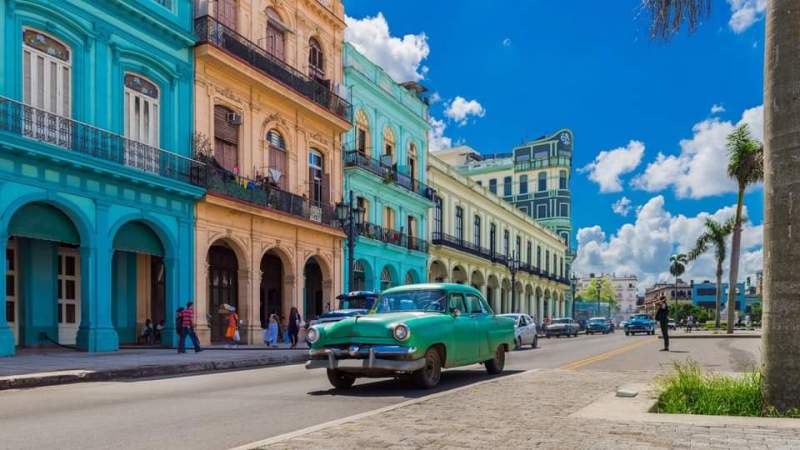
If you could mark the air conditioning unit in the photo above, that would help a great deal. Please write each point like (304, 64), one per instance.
(234, 118)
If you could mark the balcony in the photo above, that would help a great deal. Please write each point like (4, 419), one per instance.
(468, 247)
(552, 161)
(73, 137)
(261, 193)
(389, 174)
(389, 236)
(210, 31)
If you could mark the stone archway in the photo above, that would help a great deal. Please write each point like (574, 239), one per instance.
(223, 287)
(492, 290)
(275, 287)
(313, 304)
(477, 280)
(438, 272)
(459, 275)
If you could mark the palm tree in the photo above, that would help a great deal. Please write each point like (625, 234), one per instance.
(780, 342)
(677, 265)
(714, 236)
(746, 166)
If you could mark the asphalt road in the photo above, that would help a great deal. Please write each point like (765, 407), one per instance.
(223, 410)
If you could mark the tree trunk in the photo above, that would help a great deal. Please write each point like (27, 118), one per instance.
(781, 341)
(719, 293)
(736, 244)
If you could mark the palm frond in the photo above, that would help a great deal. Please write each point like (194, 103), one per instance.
(667, 16)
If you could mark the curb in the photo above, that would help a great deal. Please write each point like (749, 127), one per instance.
(716, 336)
(81, 376)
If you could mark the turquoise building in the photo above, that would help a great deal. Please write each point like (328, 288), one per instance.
(97, 190)
(384, 168)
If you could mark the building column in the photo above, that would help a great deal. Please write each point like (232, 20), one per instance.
(245, 303)
(201, 305)
(169, 336)
(7, 347)
(252, 325)
(96, 332)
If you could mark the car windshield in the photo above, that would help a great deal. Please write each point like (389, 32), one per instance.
(560, 320)
(597, 321)
(333, 314)
(416, 300)
(640, 317)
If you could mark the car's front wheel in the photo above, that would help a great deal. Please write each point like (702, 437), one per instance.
(431, 373)
(340, 380)
(495, 365)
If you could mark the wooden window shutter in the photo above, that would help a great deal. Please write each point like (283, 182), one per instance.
(227, 13)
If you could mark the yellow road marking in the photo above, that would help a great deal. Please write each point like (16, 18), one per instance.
(603, 356)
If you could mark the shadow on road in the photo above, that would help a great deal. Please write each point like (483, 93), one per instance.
(403, 387)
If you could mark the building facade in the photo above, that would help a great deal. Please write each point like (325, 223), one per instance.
(680, 292)
(625, 292)
(478, 239)
(534, 177)
(384, 169)
(704, 295)
(96, 185)
(269, 119)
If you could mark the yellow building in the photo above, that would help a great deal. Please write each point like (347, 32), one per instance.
(269, 124)
(479, 239)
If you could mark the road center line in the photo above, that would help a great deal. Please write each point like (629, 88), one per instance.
(603, 356)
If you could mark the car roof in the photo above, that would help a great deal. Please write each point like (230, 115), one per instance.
(512, 315)
(597, 318)
(355, 294)
(450, 287)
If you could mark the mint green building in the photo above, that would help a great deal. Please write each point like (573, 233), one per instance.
(384, 168)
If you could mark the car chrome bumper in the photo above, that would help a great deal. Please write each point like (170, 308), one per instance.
(365, 358)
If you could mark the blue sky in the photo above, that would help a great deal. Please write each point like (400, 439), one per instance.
(527, 68)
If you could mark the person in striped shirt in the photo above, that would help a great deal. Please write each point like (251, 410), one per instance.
(187, 329)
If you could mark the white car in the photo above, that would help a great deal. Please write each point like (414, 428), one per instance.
(524, 330)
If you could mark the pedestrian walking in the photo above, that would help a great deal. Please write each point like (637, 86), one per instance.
(295, 322)
(662, 317)
(689, 323)
(186, 320)
(232, 335)
(272, 331)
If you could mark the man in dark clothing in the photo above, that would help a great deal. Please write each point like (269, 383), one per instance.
(662, 316)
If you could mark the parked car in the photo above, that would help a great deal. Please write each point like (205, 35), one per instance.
(357, 300)
(640, 323)
(561, 326)
(524, 330)
(598, 325)
(414, 330)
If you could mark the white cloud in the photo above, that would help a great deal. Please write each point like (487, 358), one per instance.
(609, 165)
(715, 108)
(460, 109)
(700, 168)
(622, 206)
(506, 42)
(435, 98)
(436, 138)
(644, 246)
(745, 13)
(401, 58)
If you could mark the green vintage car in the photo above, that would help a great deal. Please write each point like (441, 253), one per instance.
(414, 330)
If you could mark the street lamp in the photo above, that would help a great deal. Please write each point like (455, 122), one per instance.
(574, 280)
(350, 219)
(597, 288)
(513, 267)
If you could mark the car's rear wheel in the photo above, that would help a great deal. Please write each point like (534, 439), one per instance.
(340, 380)
(495, 365)
(431, 373)
(627, 333)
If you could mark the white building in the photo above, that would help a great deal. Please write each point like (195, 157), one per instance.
(624, 288)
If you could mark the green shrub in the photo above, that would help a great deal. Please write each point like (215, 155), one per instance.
(689, 390)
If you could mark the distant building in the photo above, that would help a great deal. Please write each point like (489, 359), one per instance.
(625, 287)
(704, 295)
(671, 290)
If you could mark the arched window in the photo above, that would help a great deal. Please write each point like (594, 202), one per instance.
(276, 151)
(226, 137)
(412, 162)
(141, 118)
(388, 146)
(316, 59)
(409, 278)
(542, 181)
(276, 34)
(359, 277)
(362, 133)
(46, 85)
(386, 278)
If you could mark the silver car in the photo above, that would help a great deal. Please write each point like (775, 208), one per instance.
(524, 329)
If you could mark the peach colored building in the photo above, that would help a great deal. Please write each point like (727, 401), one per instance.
(269, 116)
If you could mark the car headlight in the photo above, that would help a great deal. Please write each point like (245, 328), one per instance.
(312, 335)
(401, 332)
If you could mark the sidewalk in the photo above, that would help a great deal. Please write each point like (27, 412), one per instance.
(33, 367)
(533, 410)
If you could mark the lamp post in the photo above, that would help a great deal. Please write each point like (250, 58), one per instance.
(597, 287)
(574, 280)
(513, 267)
(350, 219)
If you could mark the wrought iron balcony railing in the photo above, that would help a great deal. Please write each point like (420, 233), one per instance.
(210, 31)
(80, 138)
(389, 174)
(261, 193)
(552, 161)
(390, 236)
